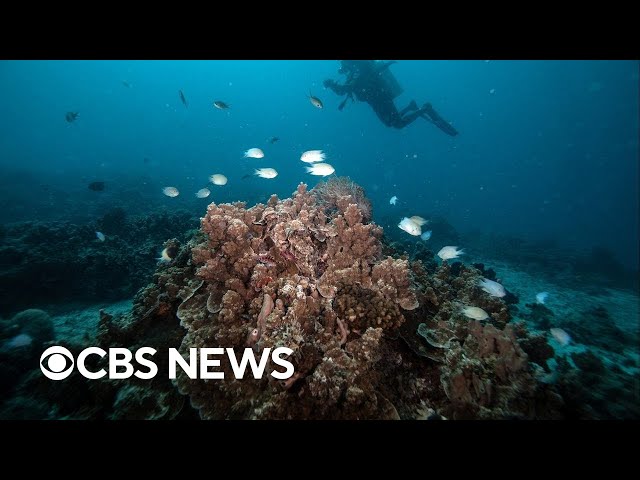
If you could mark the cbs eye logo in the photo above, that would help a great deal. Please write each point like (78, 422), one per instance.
(59, 365)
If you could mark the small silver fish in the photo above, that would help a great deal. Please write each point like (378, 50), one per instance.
(203, 193)
(218, 179)
(313, 156)
(562, 337)
(220, 105)
(170, 191)
(393, 200)
(410, 227)
(315, 101)
(322, 169)
(426, 235)
(542, 297)
(100, 236)
(164, 256)
(492, 288)
(449, 253)
(266, 172)
(476, 313)
(419, 220)
(254, 153)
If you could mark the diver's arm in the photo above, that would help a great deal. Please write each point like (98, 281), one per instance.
(336, 87)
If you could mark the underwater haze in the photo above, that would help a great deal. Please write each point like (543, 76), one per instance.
(547, 149)
(539, 186)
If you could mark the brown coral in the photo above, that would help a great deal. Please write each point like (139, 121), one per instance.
(291, 273)
(338, 192)
(308, 273)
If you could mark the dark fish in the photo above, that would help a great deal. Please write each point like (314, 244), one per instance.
(126, 84)
(220, 105)
(273, 140)
(146, 160)
(96, 186)
(315, 101)
(244, 177)
(184, 100)
(71, 116)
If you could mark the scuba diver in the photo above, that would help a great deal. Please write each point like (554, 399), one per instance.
(371, 81)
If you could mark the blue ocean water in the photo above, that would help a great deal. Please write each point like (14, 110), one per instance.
(540, 189)
(547, 149)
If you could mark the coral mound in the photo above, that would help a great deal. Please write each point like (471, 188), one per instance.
(294, 273)
(372, 336)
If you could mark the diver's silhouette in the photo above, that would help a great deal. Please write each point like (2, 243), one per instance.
(371, 81)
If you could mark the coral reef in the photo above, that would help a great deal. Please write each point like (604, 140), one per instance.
(66, 262)
(373, 334)
(538, 349)
(596, 327)
(306, 273)
(593, 391)
(333, 192)
(21, 341)
(294, 273)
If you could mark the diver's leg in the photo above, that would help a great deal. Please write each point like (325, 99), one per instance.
(407, 119)
(412, 106)
(386, 112)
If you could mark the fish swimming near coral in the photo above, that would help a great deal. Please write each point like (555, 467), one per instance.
(562, 337)
(100, 236)
(393, 200)
(409, 226)
(96, 186)
(315, 101)
(313, 156)
(419, 220)
(71, 116)
(254, 153)
(426, 235)
(542, 297)
(203, 193)
(449, 253)
(170, 191)
(475, 313)
(266, 172)
(168, 254)
(492, 288)
(183, 99)
(218, 179)
(321, 169)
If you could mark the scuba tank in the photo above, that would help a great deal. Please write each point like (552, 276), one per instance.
(389, 80)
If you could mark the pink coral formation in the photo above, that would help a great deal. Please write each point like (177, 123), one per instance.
(292, 273)
(372, 335)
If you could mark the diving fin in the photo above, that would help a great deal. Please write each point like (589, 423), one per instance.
(437, 120)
